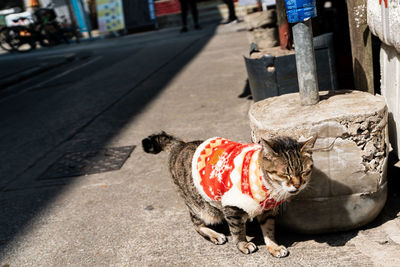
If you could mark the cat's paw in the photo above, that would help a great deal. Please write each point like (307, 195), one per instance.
(218, 239)
(246, 247)
(278, 251)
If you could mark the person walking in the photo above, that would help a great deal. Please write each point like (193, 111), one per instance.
(184, 12)
(232, 13)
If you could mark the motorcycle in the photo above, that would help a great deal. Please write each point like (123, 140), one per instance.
(43, 28)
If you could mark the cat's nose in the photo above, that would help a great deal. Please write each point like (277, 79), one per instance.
(293, 189)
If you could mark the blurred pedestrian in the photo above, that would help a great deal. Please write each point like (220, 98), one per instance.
(32, 6)
(232, 13)
(184, 12)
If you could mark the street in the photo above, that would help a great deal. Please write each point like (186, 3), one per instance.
(107, 95)
(82, 82)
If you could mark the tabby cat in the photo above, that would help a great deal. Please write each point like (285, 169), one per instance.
(223, 180)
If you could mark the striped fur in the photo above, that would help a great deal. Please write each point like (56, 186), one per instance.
(287, 166)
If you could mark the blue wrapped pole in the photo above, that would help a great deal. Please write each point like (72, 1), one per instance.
(300, 12)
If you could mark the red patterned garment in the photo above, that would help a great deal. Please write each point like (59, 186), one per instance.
(227, 173)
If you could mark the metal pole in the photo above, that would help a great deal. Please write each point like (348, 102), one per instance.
(305, 63)
(86, 18)
(300, 12)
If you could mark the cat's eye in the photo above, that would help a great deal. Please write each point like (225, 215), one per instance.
(284, 176)
(306, 172)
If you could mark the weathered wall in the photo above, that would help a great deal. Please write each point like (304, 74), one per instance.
(361, 45)
(384, 22)
(390, 88)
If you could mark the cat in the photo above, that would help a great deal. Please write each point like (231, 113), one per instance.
(224, 180)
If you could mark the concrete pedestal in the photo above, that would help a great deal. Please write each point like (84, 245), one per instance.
(348, 186)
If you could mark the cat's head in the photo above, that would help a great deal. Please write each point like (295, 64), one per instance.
(287, 163)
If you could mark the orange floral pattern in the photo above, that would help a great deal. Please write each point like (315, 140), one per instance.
(219, 158)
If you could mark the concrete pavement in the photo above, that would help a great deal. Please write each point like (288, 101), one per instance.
(186, 85)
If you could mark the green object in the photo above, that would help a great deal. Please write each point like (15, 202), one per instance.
(2, 20)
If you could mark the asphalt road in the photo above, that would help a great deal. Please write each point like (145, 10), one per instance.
(53, 93)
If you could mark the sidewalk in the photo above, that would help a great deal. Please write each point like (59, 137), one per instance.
(134, 216)
(209, 11)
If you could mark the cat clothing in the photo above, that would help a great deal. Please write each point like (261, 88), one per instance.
(227, 173)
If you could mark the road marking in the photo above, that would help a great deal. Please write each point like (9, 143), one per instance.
(67, 55)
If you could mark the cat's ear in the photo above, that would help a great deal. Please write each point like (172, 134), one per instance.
(308, 145)
(267, 149)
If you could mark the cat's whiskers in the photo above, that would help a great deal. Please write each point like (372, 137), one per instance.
(279, 193)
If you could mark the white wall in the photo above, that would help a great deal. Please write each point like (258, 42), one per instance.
(384, 22)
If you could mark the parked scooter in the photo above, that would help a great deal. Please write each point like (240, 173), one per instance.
(43, 28)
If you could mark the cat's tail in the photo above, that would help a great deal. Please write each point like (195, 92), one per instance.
(156, 143)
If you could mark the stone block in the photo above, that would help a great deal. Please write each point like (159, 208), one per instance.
(348, 184)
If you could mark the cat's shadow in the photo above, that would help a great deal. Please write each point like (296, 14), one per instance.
(336, 239)
(253, 231)
(288, 238)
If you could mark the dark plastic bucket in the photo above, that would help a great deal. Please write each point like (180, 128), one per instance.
(272, 76)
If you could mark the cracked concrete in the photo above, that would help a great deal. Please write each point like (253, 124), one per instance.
(350, 177)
